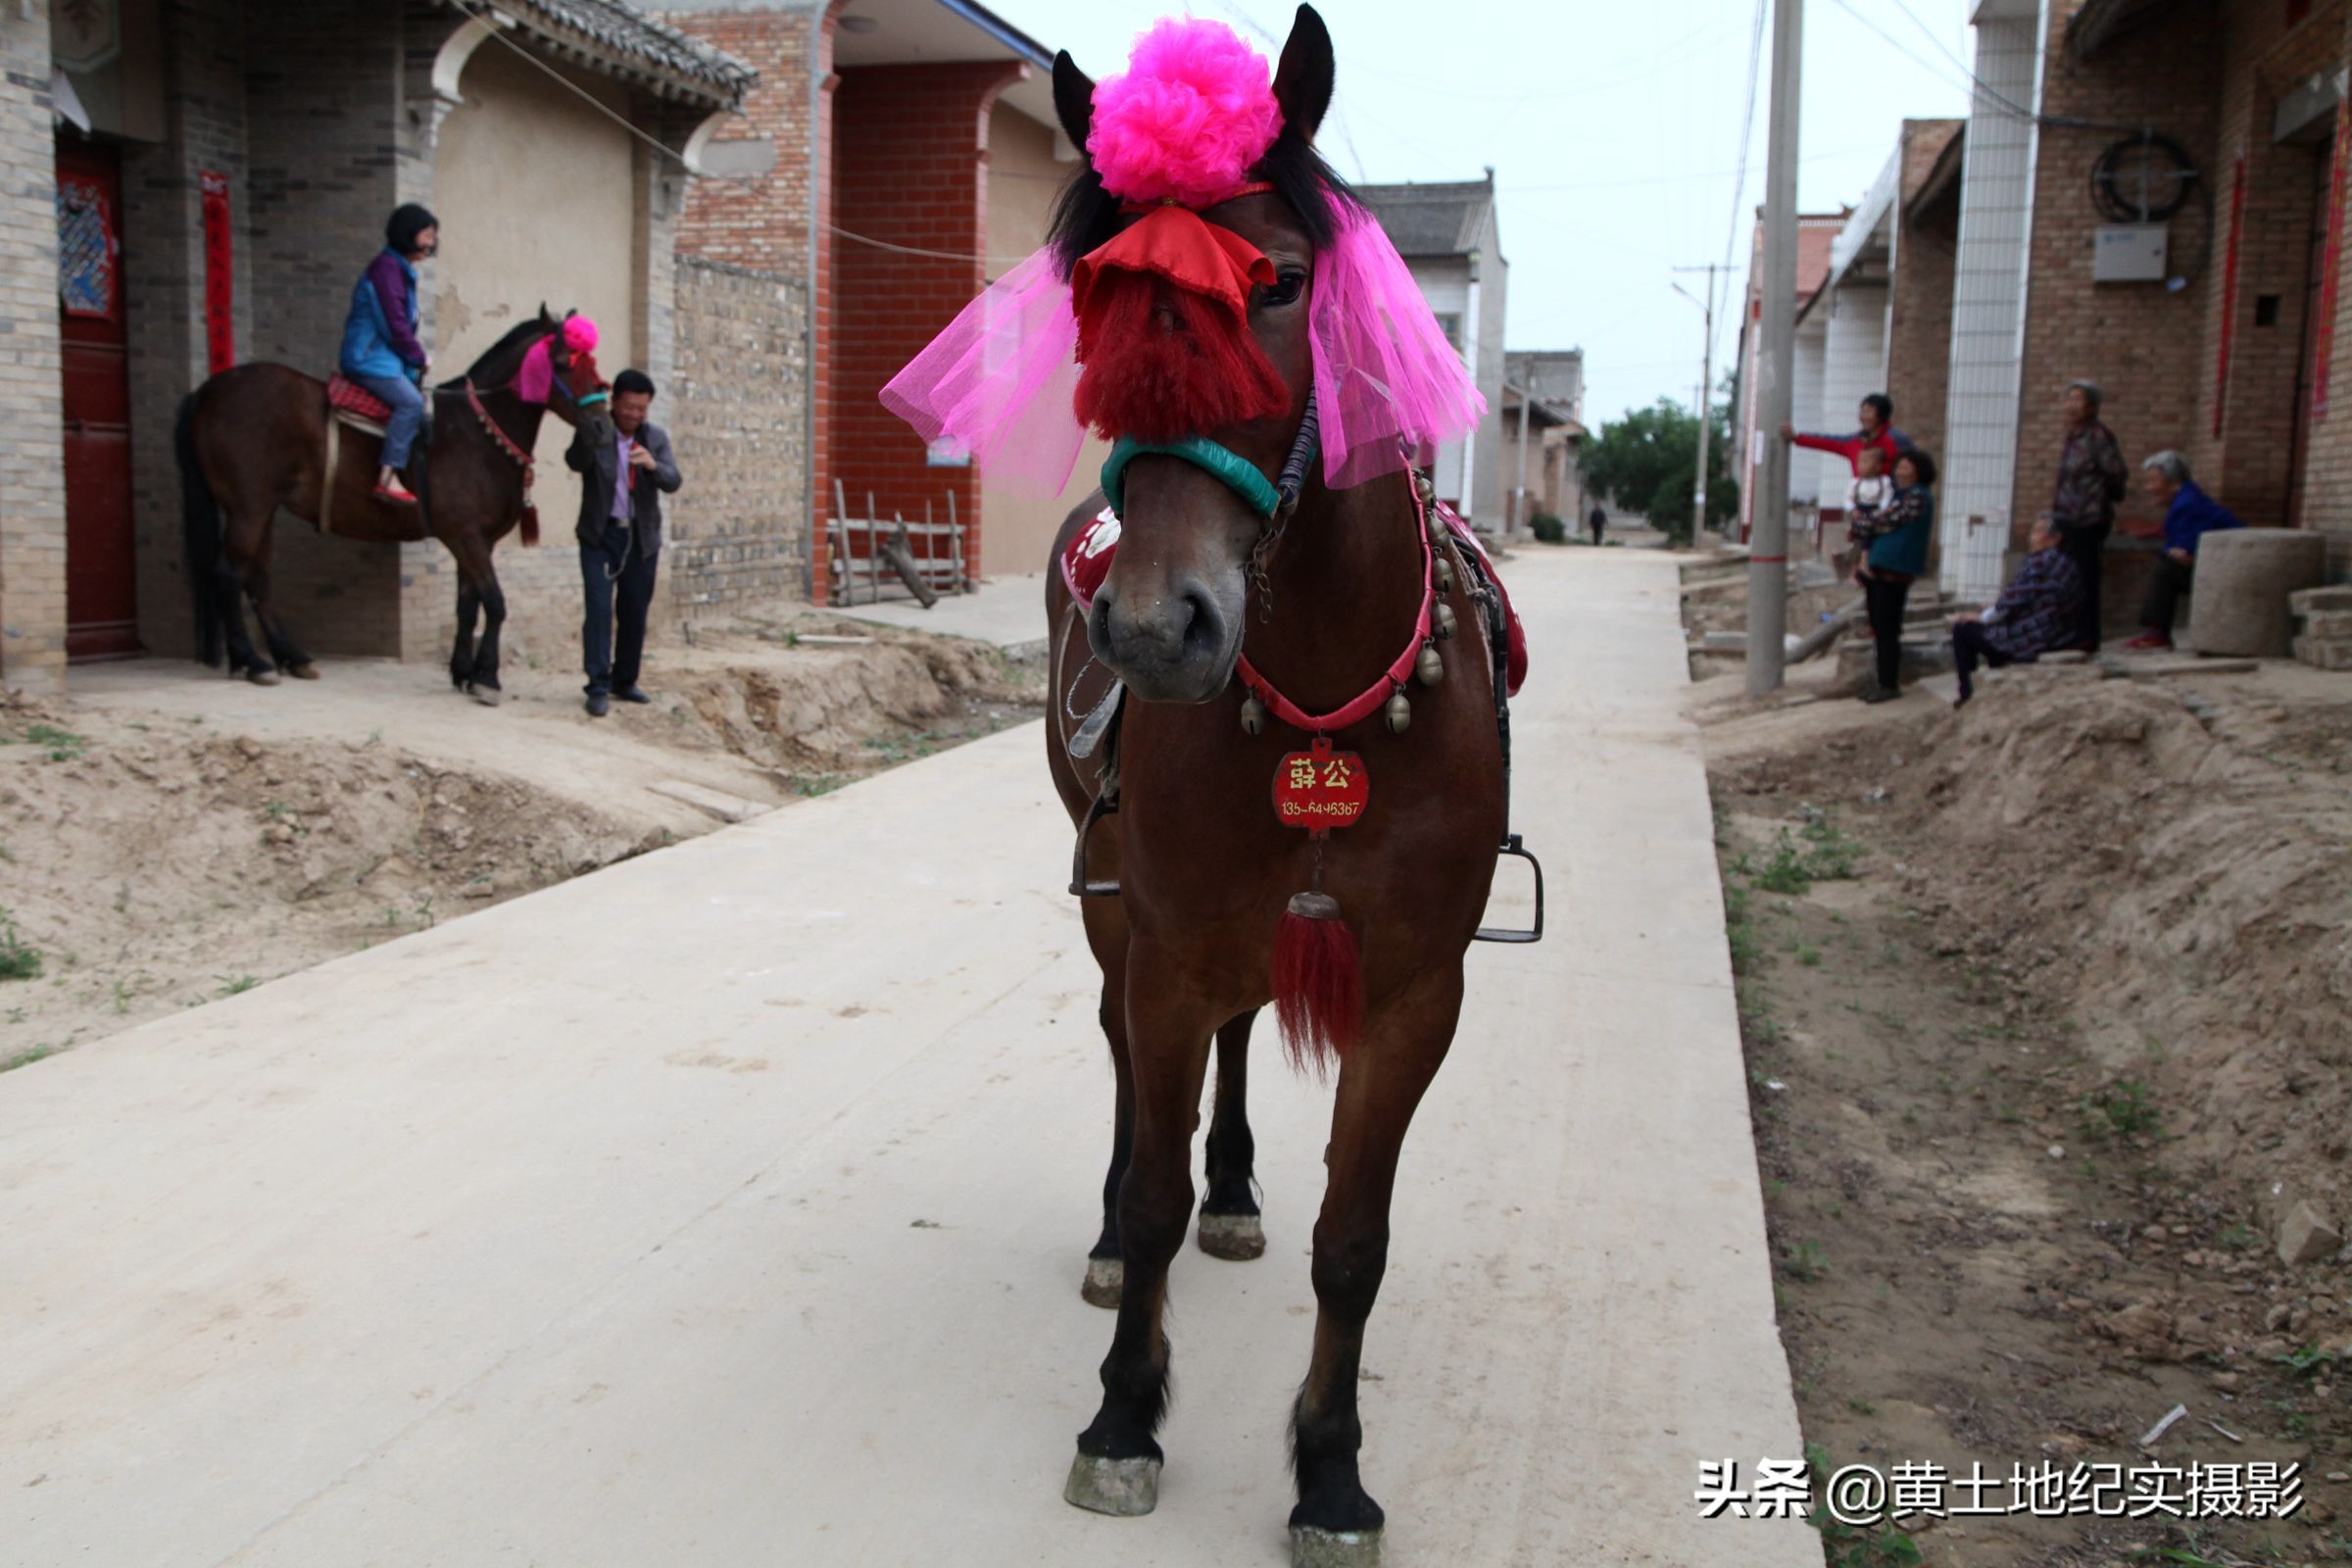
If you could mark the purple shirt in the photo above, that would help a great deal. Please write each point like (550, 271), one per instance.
(621, 509)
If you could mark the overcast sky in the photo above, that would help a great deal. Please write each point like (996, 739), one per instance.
(1614, 131)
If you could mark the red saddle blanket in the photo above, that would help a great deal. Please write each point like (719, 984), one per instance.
(349, 397)
(1086, 562)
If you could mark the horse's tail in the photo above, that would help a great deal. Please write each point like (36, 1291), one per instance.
(200, 533)
(1318, 982)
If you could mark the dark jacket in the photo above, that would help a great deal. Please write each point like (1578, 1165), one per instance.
(2194, 515)
(595, 459)
(2091, 480)
(1906, 523)
(2041, 611)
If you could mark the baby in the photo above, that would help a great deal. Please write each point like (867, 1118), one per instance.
(1866, 495)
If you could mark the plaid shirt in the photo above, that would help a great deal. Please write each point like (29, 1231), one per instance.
(2092, 478)
(2039, 611)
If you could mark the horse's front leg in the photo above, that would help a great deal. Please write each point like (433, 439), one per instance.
(1336, 1523)
(1117, 1467)
(460, 655)
(481, 578)
(1230, 1227)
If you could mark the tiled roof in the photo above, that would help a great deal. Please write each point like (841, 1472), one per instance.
(1432, 219)
(620, 38)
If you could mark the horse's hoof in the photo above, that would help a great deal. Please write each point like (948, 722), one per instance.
(1106, 1278)
(1334, 1549)
(262, 677)
(1234, 1237)
(1126, 1488)
(487, 696)
(303, 671)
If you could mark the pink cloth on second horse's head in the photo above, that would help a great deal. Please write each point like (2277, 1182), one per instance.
(537, 377)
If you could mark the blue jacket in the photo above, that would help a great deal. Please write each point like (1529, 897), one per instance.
(1905, 526)
(2194, 515)
(379, 335)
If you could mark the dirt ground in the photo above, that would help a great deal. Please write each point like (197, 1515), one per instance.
(169, 836)
(2045, 1006)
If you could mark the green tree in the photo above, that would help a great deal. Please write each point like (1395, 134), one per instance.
(1646, 460)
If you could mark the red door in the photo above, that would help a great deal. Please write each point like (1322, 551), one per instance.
(102, 605)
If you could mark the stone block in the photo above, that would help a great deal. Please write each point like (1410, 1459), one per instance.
(2326, 622)
(2320, 601)
(2324, 653)
(2245, 577)
(2305, 1236)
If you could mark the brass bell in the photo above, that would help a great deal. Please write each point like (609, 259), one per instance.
(1400, 714)
(1444, 575)
(1442, 619)
(1253, 716)
(1430, 667)
(1424, 489)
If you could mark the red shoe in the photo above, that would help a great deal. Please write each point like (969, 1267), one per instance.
(2147, 641)
(394, 491)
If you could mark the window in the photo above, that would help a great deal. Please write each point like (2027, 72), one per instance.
(1449, 323)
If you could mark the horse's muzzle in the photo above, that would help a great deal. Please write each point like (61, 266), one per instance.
(1177, 647)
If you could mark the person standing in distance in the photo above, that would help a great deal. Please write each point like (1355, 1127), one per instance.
(625, 469)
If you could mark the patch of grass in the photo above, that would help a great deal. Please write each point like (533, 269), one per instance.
(2238, 1238)
(17, 960)
(122, 898)
(233, 985)
(814, 784)
(63, 745)
(26, 1059)
(1804, 1264)
(1739, 929)
(2122, 1109)
(2307, 1360)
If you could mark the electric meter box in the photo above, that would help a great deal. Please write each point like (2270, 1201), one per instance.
(2129, 253)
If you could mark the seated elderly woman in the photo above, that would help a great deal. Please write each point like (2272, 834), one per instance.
(2189, 515)
(2037, 613)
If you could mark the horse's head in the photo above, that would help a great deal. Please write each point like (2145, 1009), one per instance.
(578, 393)
(1194, 345)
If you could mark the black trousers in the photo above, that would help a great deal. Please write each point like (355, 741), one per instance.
(1596, 527)
(2165, 585)
(2086, 548)
(1971, 647)
(619, 584)
(1883, 594)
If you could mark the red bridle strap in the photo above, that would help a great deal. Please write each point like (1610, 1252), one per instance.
(1392, 679)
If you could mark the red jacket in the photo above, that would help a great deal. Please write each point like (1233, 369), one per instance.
(1889, 441)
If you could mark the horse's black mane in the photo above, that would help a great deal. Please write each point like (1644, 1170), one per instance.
(1085, 216)
(498, 363)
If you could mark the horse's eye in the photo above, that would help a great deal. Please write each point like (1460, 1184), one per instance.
(1286, 289)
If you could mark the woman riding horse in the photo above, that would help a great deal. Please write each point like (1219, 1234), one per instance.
(1261, 594)
(380, 350)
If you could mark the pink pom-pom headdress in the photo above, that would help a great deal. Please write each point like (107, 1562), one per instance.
(1185, 125)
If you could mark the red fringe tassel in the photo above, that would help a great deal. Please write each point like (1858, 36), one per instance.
(1318, 985)
(1162, 363)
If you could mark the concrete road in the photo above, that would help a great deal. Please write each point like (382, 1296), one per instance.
(728, 1206)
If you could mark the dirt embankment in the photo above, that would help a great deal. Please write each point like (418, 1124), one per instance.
(2045, 1006)
(175, 840)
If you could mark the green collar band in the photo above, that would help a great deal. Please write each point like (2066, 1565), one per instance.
(1238, 472)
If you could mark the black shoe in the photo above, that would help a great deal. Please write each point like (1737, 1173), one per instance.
(599, 704)
(633, 694)
(1882, 694)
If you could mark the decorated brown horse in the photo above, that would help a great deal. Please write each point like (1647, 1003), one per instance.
(261, 436)
(1278, 670)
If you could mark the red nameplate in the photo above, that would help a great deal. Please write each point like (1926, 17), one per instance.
(1321, 789)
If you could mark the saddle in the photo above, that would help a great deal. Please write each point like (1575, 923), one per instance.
(354, 405)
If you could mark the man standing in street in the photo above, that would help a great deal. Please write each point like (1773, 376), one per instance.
(1600, 522)
(625, 467)
(2189, 515)
(2091, 480)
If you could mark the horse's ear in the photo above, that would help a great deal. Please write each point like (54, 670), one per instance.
(1073, 99)
(1302, 82)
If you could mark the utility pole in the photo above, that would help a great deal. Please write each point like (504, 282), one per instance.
(1706, 390)
(1775, 360)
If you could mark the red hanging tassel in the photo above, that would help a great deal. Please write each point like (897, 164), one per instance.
(530, 524)
(1318, 982)
(1162, 362)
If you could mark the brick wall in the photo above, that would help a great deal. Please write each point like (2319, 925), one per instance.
(738, 528)
(911, 171)
(2248, 463)
(32, 495)
(2139, 341)
(1919, 351)
(2327, 478)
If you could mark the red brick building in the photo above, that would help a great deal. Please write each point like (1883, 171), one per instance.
(898, 155)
